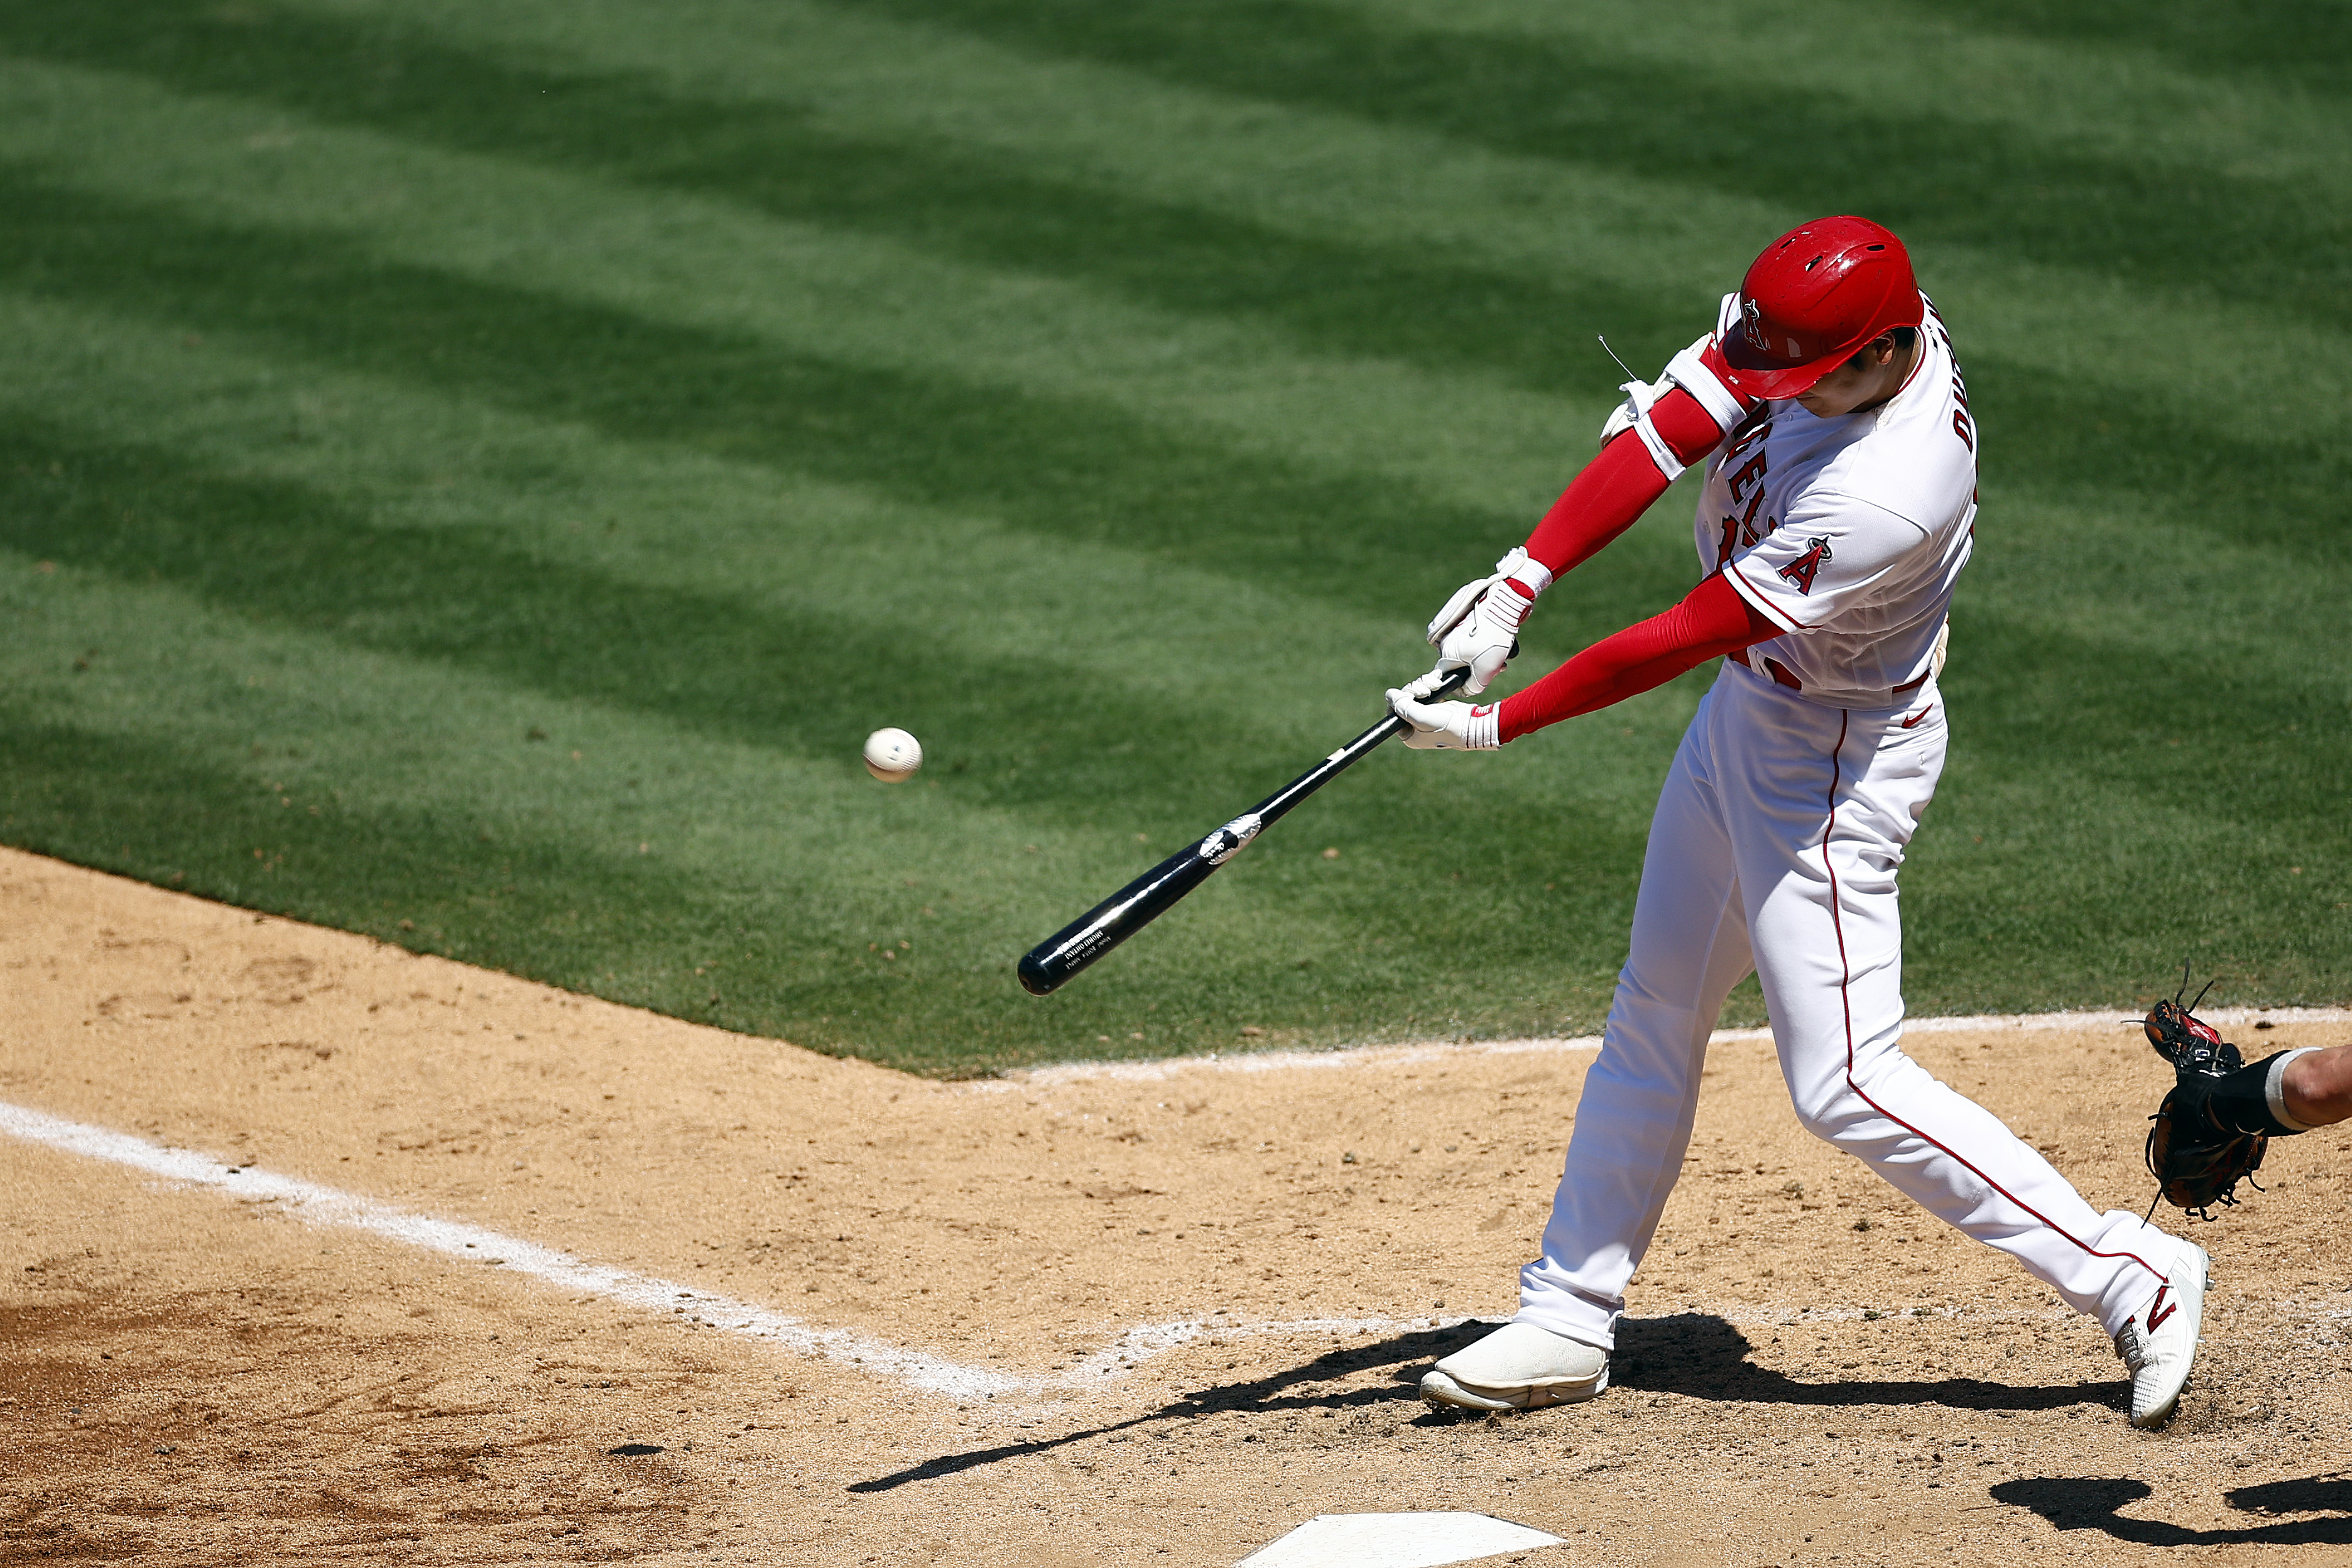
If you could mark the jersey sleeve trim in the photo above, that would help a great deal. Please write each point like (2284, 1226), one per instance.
(1762, 601)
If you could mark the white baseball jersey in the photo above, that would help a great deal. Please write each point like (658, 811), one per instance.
(1849, 533)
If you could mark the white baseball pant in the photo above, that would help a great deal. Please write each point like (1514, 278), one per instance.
(1774, 849)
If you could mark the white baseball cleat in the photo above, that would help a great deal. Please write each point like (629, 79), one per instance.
(2161, 1342)
(1518, 1367)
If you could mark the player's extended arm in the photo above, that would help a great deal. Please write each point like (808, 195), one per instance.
(1480, 623)
(1712, 620)
(1617, 487)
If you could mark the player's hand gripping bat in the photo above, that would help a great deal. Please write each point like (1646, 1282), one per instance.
(1051, 964)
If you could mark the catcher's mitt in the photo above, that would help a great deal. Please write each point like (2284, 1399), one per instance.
(2196, 1160)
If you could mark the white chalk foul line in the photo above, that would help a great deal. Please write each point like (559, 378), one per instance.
(1160, 1067)
(313, 1204)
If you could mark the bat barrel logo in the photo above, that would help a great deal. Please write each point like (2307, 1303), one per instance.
(1229, 840)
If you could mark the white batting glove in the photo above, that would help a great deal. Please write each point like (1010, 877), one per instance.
(1443, 726)
(1479, 626)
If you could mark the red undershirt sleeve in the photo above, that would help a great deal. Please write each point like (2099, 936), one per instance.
(1712, 620)
(1619, 485)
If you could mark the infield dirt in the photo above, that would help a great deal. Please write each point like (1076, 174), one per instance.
(1815, 1371)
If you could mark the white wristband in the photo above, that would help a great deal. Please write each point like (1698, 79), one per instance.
(1484, 730)
(1517, 565)
(2275, 1086)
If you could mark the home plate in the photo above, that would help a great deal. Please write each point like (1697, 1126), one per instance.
(1395, 1541)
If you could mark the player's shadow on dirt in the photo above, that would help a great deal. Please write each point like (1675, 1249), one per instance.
(2090, 1502)
(1701, 1356)
(1275, 1392)
(1692, 1354)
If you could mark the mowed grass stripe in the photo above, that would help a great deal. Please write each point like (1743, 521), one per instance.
(1056, 467)
(2264, 42)
(1716, 117)
(277, 553)
(716, 534)
(803, 669)
(776, 157)
(1107, 630)
(361, 789)
(1435, 426)
(2206, 356)
(2107, 91)
(797, 290)
(469, 336)
(1002, 644)
(480, 840)
(2052, 884)
(1519, 933)
(2049, 436)
(724, 665)
(262, 551)
(1398, 922)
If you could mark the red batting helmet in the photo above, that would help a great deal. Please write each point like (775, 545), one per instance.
(1818, 293)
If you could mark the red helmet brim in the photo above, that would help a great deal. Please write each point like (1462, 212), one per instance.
(1773, 380)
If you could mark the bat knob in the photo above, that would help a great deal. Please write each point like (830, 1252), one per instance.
(1035, 978)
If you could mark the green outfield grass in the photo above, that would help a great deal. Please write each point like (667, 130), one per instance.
(472, 471)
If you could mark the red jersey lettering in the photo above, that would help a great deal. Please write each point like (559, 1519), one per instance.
(1750, 473)
(1748, 532)
(1750, 430)
(1963, 421)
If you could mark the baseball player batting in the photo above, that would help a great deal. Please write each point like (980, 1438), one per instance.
(1839, 509)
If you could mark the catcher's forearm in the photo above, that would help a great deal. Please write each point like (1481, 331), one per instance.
(2255, 1098)
(2316, 1086)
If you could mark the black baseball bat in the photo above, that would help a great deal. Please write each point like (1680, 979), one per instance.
(1051, 963)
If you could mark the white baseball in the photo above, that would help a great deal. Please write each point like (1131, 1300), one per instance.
(893, 755)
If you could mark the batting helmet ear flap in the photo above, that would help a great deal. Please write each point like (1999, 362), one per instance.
(1812, 298)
